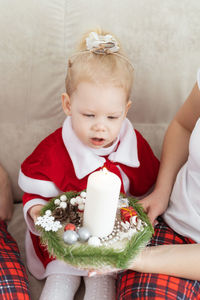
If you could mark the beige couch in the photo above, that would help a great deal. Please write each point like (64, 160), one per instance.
(163, 42)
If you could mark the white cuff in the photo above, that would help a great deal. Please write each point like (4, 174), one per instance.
(39, 187)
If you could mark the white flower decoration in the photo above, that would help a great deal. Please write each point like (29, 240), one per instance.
(39, 221)
(101, 44)
(48, 223)
(48, 212)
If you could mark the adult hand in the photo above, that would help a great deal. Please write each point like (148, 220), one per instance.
(6, 199)
(154, 205)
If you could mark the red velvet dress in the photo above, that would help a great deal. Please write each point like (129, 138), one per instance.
(51, 164)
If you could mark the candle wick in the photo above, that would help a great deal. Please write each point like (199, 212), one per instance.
(105, 170)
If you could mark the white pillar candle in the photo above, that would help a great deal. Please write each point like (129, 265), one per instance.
(103, 189)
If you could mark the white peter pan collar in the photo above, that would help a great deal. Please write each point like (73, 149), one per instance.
(86, 160)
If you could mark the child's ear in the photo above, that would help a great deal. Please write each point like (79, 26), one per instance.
(66, 104)
(128, 105)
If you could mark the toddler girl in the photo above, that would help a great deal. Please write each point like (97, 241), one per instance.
(96, 133)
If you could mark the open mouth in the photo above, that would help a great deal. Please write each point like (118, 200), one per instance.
(97, 141)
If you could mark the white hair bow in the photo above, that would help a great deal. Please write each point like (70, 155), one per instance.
(101, 44)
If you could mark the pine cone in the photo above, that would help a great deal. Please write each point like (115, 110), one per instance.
(60, 214)
(74, 217)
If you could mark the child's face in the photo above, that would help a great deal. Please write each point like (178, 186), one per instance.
(97, 113)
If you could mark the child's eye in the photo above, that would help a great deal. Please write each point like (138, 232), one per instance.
(112, 117)
(89, 115)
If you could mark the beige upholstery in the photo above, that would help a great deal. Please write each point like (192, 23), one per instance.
(37, 36)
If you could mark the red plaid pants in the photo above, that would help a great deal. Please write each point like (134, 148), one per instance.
(13, 278)
(143, 286)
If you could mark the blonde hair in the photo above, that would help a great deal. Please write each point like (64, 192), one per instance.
(112, 68)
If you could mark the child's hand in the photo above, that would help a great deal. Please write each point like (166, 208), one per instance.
(34, 211)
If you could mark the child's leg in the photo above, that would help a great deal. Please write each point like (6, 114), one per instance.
(99, 287)
(60, 286)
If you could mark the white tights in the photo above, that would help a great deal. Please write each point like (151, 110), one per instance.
(64, 287)
(60, 286)
(99, 288)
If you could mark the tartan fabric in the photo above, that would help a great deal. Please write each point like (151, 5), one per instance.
(13, 278)
(135, 285)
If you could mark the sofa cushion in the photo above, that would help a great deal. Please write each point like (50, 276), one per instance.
(37, 37)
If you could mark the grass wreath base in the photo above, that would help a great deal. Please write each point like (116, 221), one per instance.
(118, 255)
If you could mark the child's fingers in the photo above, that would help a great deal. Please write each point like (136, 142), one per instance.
(34, 211)
(35, 218)
(92, 273)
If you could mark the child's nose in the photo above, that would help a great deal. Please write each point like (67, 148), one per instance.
(100, 126)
